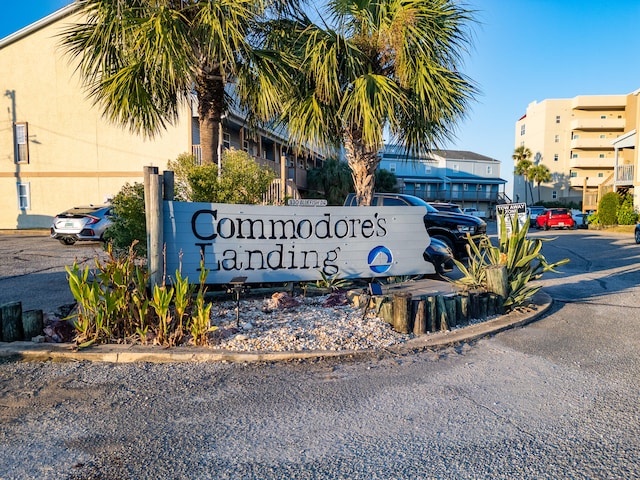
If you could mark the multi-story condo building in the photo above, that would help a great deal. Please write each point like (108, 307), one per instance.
(466, 178)
(588, 143)
(58, 151)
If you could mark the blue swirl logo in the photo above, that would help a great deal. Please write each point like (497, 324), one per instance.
(380, 259)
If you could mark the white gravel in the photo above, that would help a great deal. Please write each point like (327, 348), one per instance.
(292, 324)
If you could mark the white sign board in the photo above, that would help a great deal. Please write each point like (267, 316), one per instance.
(509, 211)
(280, 244)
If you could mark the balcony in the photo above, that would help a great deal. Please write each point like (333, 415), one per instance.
(591, 162)
(578, 182)
(599, 102)
(598, 124)
(592, 143)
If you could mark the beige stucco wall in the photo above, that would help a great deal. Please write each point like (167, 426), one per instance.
(75, 156)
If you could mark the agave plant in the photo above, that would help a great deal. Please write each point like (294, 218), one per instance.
(521, 256)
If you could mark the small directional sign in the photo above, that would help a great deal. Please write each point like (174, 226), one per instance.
(307, 202)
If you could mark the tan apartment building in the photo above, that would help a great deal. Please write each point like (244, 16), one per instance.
(587, 142)
(57, 151)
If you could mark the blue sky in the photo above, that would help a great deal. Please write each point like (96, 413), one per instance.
(522, 51)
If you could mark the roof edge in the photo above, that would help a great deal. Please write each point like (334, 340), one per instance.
(38, 24)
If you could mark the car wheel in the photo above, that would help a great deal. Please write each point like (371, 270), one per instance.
(67, 240)
(637, 236)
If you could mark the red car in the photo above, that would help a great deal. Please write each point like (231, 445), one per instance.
(555, 218)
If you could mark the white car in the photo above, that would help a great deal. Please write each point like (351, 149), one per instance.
(81, 223)
(534, 212)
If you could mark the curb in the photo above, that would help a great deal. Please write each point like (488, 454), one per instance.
(115, 353)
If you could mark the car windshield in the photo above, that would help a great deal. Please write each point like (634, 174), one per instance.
(418, 202)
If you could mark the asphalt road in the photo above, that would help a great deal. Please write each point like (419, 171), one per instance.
(555, 399)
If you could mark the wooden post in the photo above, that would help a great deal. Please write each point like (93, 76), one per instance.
(11, 316)
(464, 307)
(168, 185)
(497, 281)
(442, 322)
(432, 314)
(32, 323)
(283, 178)
(450, 308)
(420, 317)
(386, 311)
(402, 312)
(484, 303)
(153, 209)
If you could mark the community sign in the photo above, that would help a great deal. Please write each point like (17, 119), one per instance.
(292, 243)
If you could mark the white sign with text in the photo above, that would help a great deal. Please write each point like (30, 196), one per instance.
(281, 243)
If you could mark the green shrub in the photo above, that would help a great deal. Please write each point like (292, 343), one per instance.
(129, 226)
(203, 183)
(626, 213)
(608, 209)
(181, 168)
(243, 180)
(115, 305)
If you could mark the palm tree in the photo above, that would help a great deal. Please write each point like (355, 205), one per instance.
(521, 156)
(539, 174)
(387, 65)
(140, 59)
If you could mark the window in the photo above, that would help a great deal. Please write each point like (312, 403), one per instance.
(601, 155)
(226, 140)
(427, 169)
(24, 200)
(245, 145)
(600, 174)
(392, 167)
(557, 118)
(603, 117)
(573, 174)
(465, 186)
(556, 138)
(575, 136)
(555, 157)
(522, 129)
(574, 155)
(479, 188)
(455, 167)
(554, 195)
(489, 170)
(21, 139)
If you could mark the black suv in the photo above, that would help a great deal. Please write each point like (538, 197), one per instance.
(450, 228)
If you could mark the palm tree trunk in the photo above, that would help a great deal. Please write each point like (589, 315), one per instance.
(210, 89)
(363, 163)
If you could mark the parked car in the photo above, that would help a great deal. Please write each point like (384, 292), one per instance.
(533, 213)
(446, 207)
(448, 227)
(637, 233)
(440, 255)
(555, 218)
(81, 224)
(581, 220)
(475, 212)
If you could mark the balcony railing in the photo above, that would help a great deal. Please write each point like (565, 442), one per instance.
(624, 174)
(453, 196)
